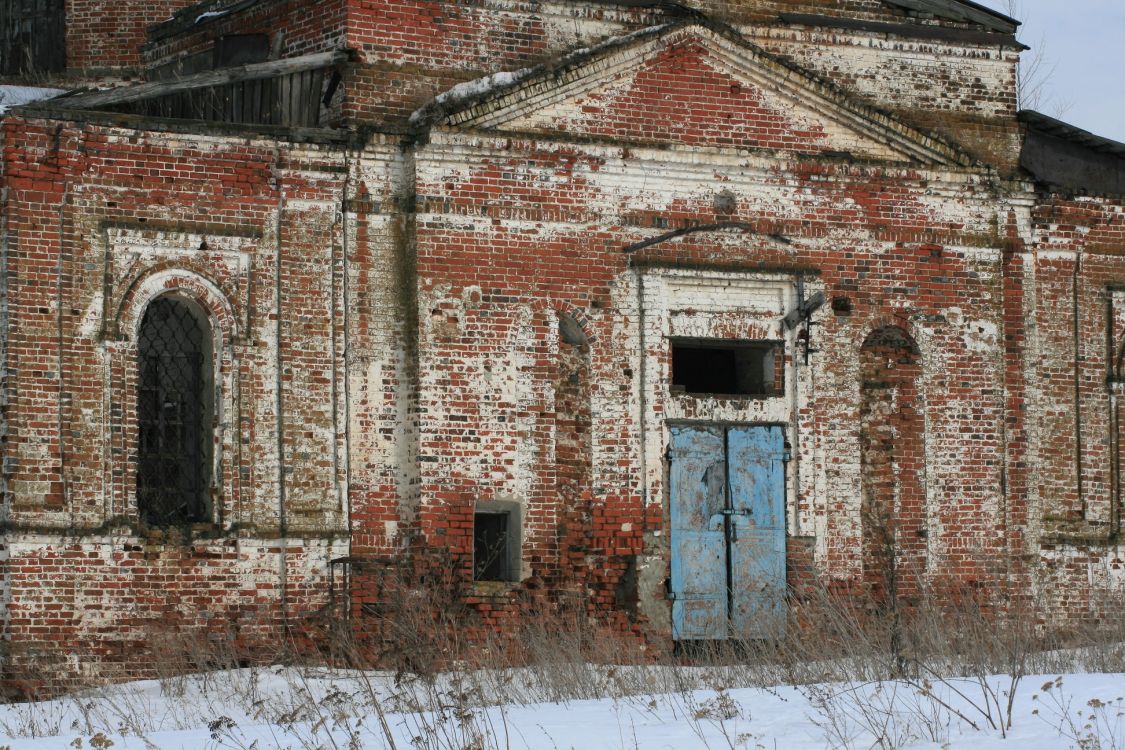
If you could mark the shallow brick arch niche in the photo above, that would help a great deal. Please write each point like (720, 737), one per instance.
(167, 278)
(892, 456)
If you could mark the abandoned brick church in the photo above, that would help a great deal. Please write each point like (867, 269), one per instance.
(660, 308)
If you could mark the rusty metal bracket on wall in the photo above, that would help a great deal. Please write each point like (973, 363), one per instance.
(802, 314)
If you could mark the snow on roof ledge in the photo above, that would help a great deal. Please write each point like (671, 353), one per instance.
(468, 92)
(13, 96)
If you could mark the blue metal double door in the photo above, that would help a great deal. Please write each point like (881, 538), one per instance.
(727, 531)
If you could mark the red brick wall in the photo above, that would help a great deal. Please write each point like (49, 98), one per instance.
(1077, 265)
(1074, 467)
(388, 348)
(108, 34)
(504, 235)
(412, 50)
(213, 219)
(681, 95)
(301, 27)
(894, 510)
(91, 607)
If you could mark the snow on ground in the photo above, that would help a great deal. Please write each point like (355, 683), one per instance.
(13, 96)
(290, 708)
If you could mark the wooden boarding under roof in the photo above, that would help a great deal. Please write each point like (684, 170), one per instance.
(285, 92)
(32, 37)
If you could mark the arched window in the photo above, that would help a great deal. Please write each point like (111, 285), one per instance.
(174, 413)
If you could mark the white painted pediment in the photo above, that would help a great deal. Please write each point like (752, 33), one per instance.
(686, 84)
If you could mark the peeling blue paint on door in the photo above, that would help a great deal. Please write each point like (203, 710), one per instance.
(756, 456)
(728, 531)
(699, 558)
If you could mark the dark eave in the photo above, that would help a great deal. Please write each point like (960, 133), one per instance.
(1059, 129)
(194, 15)
(46, 110)
(1065, 157)
(907, 30)
(961, 11)
(270, 69)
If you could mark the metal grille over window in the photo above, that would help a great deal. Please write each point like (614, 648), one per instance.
(490, 547)
(173, 414)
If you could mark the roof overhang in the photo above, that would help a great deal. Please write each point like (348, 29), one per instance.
(94, 100)
(961, 11)
(1066, 157)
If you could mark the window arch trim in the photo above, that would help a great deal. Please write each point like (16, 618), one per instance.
(122, 341)
(188, 284)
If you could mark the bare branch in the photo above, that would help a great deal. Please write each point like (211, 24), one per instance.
(1036, 69)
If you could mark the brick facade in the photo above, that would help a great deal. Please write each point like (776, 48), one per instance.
(419, 319)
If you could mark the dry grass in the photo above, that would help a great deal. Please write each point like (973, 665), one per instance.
(890, 678)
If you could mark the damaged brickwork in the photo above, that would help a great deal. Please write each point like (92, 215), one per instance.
(443, 322)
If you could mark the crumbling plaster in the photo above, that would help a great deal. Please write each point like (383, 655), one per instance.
(475, 306)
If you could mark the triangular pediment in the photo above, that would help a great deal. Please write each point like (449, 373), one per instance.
(687, 84)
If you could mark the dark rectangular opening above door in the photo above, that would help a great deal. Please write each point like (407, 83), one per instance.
(722, 367)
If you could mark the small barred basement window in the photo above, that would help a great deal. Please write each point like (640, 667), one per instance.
(496, 541)
(174, 413)
(723, 367)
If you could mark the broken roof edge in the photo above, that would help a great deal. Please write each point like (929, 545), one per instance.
(990, 11)
(49, 110)
(12, 96)
(1067, 132)
(92, 100)
(907, 30)
(972, 12)
(1062, 158)
(474, 93)
(191, 16)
